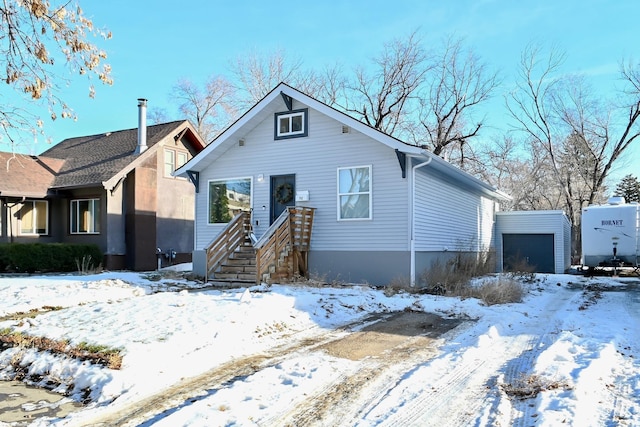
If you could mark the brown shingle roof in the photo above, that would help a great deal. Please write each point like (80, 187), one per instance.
(27, 176)
(91, 160)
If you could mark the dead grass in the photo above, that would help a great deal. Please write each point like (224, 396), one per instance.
(86, 266)
(530, 386)
(521, 269)
(97, 354)
(30, 314)
(504, 290)
(453, 278)
(397, 285)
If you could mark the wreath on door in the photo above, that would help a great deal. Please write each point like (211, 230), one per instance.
(284, 193)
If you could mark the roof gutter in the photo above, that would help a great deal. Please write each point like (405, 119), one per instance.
(412, 218)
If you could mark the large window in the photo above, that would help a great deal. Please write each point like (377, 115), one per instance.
(173, 159)
(291, 124)
(34, 217)
(227, 197)
(85, 216)
(354, 193)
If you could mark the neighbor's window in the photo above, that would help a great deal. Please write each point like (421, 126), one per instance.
(227, 197)
(291, 124)
(34, 217)
(173, 159)
(354, 193)
(85, 216)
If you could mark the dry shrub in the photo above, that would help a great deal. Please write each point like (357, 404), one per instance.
(519, 268)
(452, 277)
(529, 386)
(501, 291)
(397, 285)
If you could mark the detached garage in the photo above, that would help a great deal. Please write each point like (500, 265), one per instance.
(540, 239)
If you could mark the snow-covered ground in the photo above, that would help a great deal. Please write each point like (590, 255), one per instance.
(577, 338)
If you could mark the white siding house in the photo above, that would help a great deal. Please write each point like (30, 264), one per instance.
(383, 209)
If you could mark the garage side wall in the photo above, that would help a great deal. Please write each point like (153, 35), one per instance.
(536, 223)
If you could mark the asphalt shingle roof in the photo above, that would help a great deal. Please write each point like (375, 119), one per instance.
(28, 176)
(91, 160)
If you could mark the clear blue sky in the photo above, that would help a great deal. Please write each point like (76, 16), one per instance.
(157, 42)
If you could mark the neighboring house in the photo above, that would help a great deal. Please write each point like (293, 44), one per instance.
(382, 209)
(114, 189)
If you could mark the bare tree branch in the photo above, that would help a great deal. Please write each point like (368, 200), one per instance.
(458, 83)
(33, 33)
(380, 99)
(209, 109)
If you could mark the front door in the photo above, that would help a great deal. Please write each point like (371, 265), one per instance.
(283, 194)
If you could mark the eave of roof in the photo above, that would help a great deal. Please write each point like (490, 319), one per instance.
(271, 103)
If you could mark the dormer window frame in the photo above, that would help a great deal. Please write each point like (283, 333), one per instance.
(285, 125)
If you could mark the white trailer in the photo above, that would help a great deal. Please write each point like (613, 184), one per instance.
(611, 234)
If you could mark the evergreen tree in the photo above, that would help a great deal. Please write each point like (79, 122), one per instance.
(629, 188)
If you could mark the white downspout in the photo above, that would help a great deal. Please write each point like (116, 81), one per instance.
(413, 219)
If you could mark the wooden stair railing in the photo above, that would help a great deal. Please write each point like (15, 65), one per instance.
(227, 242)
(283, 250)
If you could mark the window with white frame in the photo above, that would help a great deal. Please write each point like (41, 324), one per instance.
(173, 159)
(85, 216)
(227, 197)
(291, 124)
(354, 193)
(34, 217)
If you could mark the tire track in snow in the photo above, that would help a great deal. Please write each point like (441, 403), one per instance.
(621, 387)
(459, 396)
(168, 400)
(520, 367)
(343, 401)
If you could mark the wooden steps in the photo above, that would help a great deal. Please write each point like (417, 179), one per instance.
(281, 254)
(239, 268)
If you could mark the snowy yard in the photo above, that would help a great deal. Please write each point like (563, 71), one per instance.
(567, 355)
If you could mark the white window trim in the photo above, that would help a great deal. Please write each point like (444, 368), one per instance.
(250, 178)
(33, 232)
(174, 164)
(172, 153)
(284, 135)
(339, 194)
(93, 223)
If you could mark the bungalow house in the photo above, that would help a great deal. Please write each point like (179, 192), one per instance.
(114, 189)
(360, 205)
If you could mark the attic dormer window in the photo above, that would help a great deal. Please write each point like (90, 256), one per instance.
(291, 124)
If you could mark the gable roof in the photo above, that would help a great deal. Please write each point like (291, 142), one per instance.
(27, 176)
(274, 102)
(95, 159)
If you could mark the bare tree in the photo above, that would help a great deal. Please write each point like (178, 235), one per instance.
(257, 74)
(33, 33)
(519, 169)
(580, 135)
(456, 85)
(209, 109)
(381, 98)
(158, 115)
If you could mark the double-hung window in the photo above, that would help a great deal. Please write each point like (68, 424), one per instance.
(354, 193)
(34, 217)
(85, 216)
(291, 124)
(173, 159)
